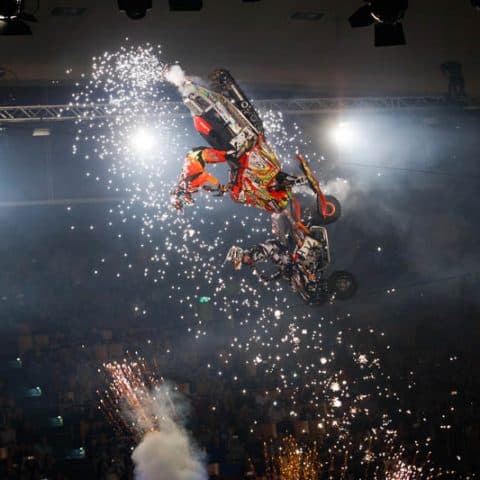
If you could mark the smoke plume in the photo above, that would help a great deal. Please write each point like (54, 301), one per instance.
(176, 75)
(168, 453)
(339, 188)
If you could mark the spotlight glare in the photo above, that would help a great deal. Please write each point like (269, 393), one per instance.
(343, 134)
(142, 141)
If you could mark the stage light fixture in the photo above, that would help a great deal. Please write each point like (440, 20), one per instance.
(9, 9)
(135, 9)
(185, 5)
(13, 18)
(387, 16)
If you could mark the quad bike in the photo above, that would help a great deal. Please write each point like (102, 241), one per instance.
(227, 120)
(307, 273)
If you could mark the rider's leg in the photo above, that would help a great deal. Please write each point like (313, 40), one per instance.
(211, 155)
(203, 179)
(297, 229)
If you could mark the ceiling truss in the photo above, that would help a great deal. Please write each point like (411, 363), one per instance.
(294, 106)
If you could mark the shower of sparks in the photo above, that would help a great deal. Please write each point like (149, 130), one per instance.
(292, 461)
(303, 357)
(135, 400)
(127, 396)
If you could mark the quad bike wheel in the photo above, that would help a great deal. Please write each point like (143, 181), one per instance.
(342, 284)
(333, 210)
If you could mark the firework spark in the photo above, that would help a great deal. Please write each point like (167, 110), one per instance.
(336, 373)
(132, 397)
(153, 413)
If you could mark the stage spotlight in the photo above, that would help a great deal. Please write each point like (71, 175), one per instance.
(142, 141)
(185, 5)
(362, 17)
(387, 16)
(13, 18)
(343, 134)
(388, 11)
(135, 9)
(10, 9)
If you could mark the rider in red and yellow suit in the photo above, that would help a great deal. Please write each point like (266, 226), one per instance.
(242, 188)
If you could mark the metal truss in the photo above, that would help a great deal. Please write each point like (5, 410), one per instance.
(36, 113)
(330, 104)
(294, 106)
(44, 202)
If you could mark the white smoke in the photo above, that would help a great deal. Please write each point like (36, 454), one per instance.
(176, 75)
(339, 188)
(168, 453)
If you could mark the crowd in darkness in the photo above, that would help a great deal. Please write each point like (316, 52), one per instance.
(51, 426)
(60, 323)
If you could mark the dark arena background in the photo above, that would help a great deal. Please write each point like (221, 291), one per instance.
(130, 348)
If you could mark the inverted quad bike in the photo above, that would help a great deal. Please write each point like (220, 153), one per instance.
(227, 120)
(309, 277)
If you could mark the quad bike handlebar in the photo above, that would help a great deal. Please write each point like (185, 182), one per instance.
(219, 190)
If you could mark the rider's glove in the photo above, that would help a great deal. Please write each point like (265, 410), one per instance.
(222, 189)
(188, 199)
(181, 199)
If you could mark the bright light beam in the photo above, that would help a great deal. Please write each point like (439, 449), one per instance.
(142, 141)
(344, 134)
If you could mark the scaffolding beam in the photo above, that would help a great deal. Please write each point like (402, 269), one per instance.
(294, 106)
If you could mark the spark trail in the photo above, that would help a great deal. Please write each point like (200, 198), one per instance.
(154, 414)
(141, 143)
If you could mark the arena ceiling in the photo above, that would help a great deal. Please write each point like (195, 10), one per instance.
(260, 43)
